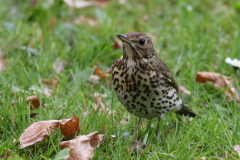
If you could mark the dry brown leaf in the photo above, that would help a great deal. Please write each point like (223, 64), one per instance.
(117, 44)
(101, 95)
(47, 92)
(79, 3)
(102, 106)
(71, 127)
(34, 101)
(102, 3)
(145, 18)
(33, 3)
(237, 149)
(94, 78)
(50, 82)
(3, 64)
(82, 148)
(9, 153)
(184, 90)
(82, 20)
(122, 1)
(138, 147)
(219, 81)
(86, 113)
(99, 72)
(59, 65)
(38, 131)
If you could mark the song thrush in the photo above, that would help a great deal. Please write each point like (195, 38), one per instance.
(142, 81)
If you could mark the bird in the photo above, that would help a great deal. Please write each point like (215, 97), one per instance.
(142, 81)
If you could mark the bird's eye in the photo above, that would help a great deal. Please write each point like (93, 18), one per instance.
(142, 41)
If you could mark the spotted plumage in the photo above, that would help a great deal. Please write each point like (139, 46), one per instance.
(143, 82)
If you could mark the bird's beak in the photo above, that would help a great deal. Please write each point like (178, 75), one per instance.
(123, 38)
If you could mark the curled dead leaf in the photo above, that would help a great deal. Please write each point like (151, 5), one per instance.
(70, 128)
(101, 95)
(82, 20)
(184, 90)
(102, 106)
(59, 65)
(100, 72)
(237, 149)
(47, 91)
(34, 102)
(219, 81)
(50, 82)
(117, 44)
(82, 147)
(79, 3)
(38, 131)
(94, 78)
(7, 153)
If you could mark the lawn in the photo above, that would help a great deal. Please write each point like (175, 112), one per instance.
(48, 40)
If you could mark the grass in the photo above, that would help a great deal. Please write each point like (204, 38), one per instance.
(189, 36)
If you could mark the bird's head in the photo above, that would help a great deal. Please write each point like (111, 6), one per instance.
(137, 46)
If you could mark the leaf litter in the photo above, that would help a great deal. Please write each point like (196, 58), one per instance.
(220, 82)
(38, 131)
(82, 148)
(102, 106)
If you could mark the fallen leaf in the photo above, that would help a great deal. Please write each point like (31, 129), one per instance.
(3, 64)
(9, 153)
(50, 82)
(138, 147)
(32, 115)
(47, 92)
(70, 128)
(82, 147)
(34, 102)
(101, 95)
(184, 90)
(86, 113)
(38, 131)
(145, 18)
(94, 78)
(102, 106)
(82, 20)
(102, 3)
(79, 3)
(117, 44)
(122, 1)
(237, 149)
(59, 65)
(219, 81)
(99, 72)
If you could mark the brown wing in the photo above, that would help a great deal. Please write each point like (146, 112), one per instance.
(163, 69)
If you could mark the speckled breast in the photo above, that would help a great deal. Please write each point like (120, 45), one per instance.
(144, 93)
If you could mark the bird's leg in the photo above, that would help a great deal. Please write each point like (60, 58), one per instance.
(158, 128)
(137, 127)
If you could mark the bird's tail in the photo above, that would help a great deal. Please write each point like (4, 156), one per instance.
(186, 111)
